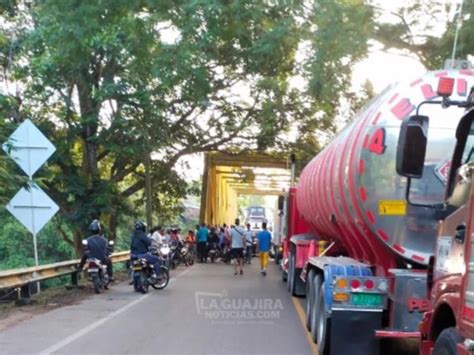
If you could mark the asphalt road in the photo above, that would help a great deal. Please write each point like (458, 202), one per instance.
(204, 310)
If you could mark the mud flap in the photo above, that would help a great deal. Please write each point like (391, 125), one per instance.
(353, 332)
(300, 286)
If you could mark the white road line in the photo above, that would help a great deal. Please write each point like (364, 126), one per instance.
(93, 326)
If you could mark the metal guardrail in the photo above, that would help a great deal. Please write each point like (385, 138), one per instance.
(24, 277)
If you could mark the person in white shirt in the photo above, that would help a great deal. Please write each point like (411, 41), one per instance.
(237, 236)
(156, 235)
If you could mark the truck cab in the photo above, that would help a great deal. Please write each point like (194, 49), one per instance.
(448, 327)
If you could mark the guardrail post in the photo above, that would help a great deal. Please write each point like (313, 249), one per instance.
(25, 291)
(75, 278)
(24, 295)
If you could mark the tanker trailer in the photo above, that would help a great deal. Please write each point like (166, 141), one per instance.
(371, 280)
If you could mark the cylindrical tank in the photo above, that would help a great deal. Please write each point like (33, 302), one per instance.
(350, 193)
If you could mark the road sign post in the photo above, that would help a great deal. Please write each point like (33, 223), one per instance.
(30, 149)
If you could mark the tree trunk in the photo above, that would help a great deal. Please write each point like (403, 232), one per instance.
(89, 119)
(78, 242)
(113, 224)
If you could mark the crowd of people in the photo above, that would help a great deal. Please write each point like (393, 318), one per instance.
(238, 240)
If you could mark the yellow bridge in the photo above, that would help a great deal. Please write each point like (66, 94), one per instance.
(226, 176)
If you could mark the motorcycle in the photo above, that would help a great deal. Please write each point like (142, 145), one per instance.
(192, 249)
(226, 256)
(180, 254)
(97, 271)
(164, 254)
(213, 252)
(144, 276)
(188, 255)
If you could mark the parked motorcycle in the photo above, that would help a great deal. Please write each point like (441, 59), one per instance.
(226, 256)
(144, 276)
(164, 254)
(213, 252)
(180, 254)
(97, 271)
(192, 249)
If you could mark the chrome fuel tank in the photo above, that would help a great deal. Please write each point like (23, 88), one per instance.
(351, 193)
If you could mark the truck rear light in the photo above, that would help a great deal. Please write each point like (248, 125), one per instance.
(340, 296)
(355, 283)
(341, 283)
(369, 284)
(383, 286)
(445, 86)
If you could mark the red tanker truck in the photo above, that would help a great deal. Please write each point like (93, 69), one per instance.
(378, 236)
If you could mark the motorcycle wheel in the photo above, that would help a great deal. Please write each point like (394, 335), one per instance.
(213, 258)
(163, 278)
(191, 260)
(136, 281)
(96, 283)
(143, 282)
(105, 279)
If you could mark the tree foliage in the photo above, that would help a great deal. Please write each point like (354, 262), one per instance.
(111, 82)
(426, 29)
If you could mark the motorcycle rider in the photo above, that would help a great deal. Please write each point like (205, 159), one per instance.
(140, 246)
(96, 248)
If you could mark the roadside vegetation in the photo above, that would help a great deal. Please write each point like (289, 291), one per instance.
(117, 85)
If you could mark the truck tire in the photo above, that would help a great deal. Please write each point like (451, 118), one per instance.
(318, 280)
(323, 324)
(446, 342)
(309, 297)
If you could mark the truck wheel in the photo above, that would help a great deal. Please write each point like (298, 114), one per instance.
(323, 324)
(318, 280)
(446, 342)
(309, 297)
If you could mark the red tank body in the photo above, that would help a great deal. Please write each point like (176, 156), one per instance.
(350, 192)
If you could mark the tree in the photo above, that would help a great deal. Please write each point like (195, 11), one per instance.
(336, 37)
(426, 29)
(104, 85)
(113, 82)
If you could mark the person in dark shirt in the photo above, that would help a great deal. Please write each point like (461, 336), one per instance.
(213, 237)
(202, 236)
(96, 248)
(140, 245)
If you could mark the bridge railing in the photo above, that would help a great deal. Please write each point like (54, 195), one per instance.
(22, 279)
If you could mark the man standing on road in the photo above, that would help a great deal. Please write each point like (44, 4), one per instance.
(202, 235)
(264, 241)
(237, 236)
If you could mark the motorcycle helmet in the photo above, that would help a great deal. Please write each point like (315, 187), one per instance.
(140, 226)
(95, 227)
